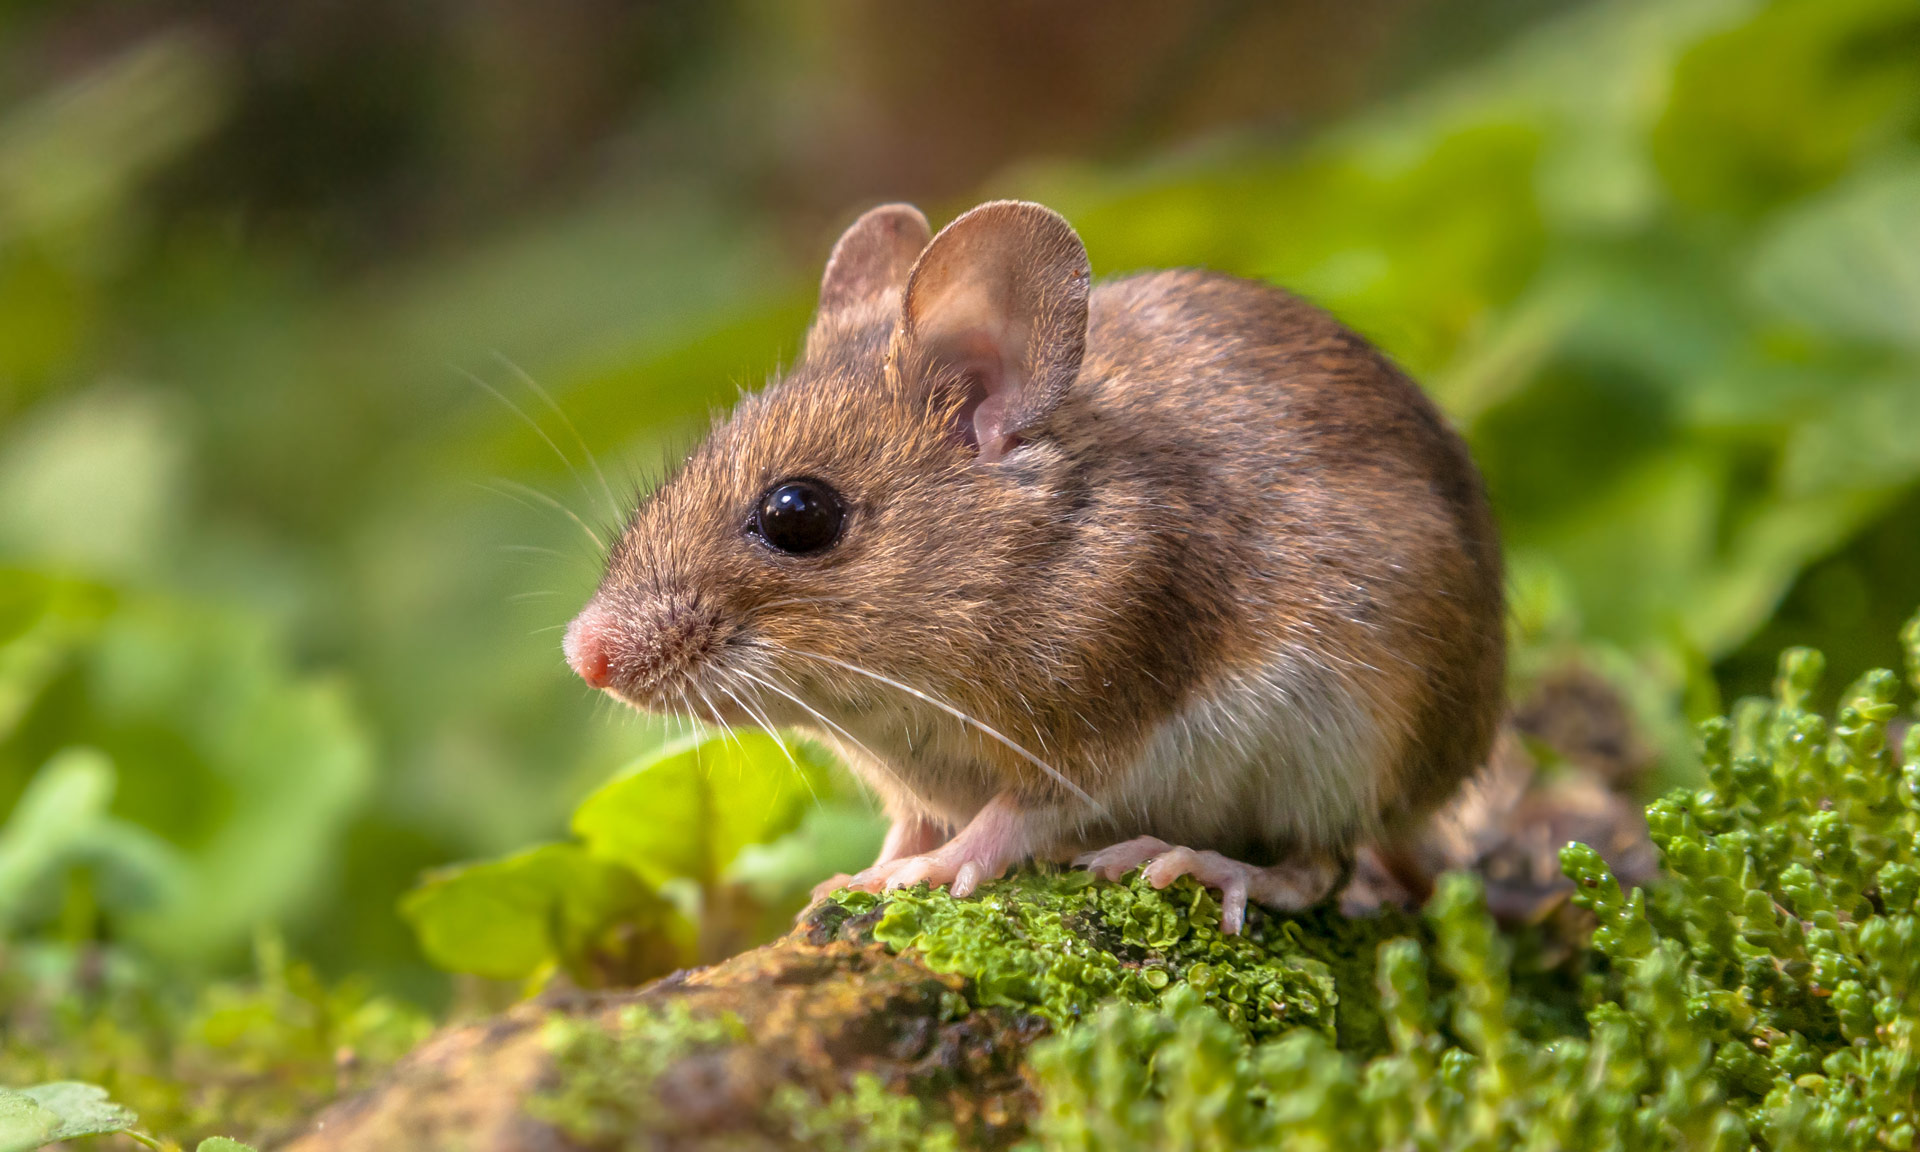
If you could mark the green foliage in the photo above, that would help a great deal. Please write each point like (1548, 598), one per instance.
(65, 1110)
(680, 820)
(865, 1118)
(509, 919)
(227, 778)
(688, 811)
(1766, 995)
(251, 1057)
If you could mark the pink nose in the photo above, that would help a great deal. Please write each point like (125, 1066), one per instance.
(588, 646)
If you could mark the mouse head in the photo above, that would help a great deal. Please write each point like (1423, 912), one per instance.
(872, 515)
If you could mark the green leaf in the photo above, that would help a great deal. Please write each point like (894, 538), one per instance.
(688, 810)
(24, 1124)
(508, 918)
(1849, 263)
(61, 821)
(60, 806)
(222, 1144)
(237, 774)
(49, 1113)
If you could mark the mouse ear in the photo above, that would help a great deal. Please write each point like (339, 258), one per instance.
(872, 257)
(998, 300)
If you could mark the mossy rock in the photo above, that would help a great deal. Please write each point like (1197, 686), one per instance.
(876, 1023)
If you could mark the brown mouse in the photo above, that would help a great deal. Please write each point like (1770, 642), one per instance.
(1174, 570)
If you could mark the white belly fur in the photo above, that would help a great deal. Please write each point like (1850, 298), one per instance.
(1287, 753)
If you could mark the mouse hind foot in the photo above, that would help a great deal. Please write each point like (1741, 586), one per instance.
(1286, 887)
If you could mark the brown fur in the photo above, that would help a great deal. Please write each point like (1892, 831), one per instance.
(1222, 475)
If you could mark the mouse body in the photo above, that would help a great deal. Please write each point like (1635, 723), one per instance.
(1174, 571)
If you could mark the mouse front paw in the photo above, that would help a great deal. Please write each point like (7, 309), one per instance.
(961, 872)
(993, 841)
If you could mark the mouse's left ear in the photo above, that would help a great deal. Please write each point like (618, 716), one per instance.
(997, 305)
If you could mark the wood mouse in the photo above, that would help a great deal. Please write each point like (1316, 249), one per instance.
(1173, 571)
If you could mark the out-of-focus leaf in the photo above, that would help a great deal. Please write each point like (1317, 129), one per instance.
(42, 619)
(1848, 264)
(55, 814)
(244, 770)
(69, 159)
(94, 484)
(222, 1144)
(74, 1109)
(24, 1123)
(1781, 103)
(285, 755)
(61, 822)
(688, 810)
(840, 835)
(507, 919)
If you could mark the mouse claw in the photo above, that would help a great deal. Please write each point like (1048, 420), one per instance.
(912, 871)
(1286, 887)
(828, 887)
(1117, 860)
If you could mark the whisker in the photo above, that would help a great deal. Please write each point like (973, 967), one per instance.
(593, 462)
(726, 729)
(775, 737)
(530, 422)
(535, 594)
(533, 548)
(878, 760)
(961, 716)
(557, 506)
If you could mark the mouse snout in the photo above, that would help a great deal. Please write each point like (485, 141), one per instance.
(633, 653)
(589, 646)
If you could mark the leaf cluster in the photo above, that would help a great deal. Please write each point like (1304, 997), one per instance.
(699, 832)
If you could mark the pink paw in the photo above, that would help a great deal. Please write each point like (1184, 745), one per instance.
(959, 871)
(1282, 887)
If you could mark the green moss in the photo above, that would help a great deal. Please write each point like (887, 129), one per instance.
(1061, 944)
(866, 1118)
(252, 1059)
(606, 1078)
(626, 1085)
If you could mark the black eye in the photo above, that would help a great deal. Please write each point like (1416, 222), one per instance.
(799, 516)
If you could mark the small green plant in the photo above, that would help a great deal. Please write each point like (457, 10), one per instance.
(65, 1110)
(690, 835)
(253, 1058)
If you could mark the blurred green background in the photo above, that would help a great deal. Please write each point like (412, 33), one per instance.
(318, 319)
